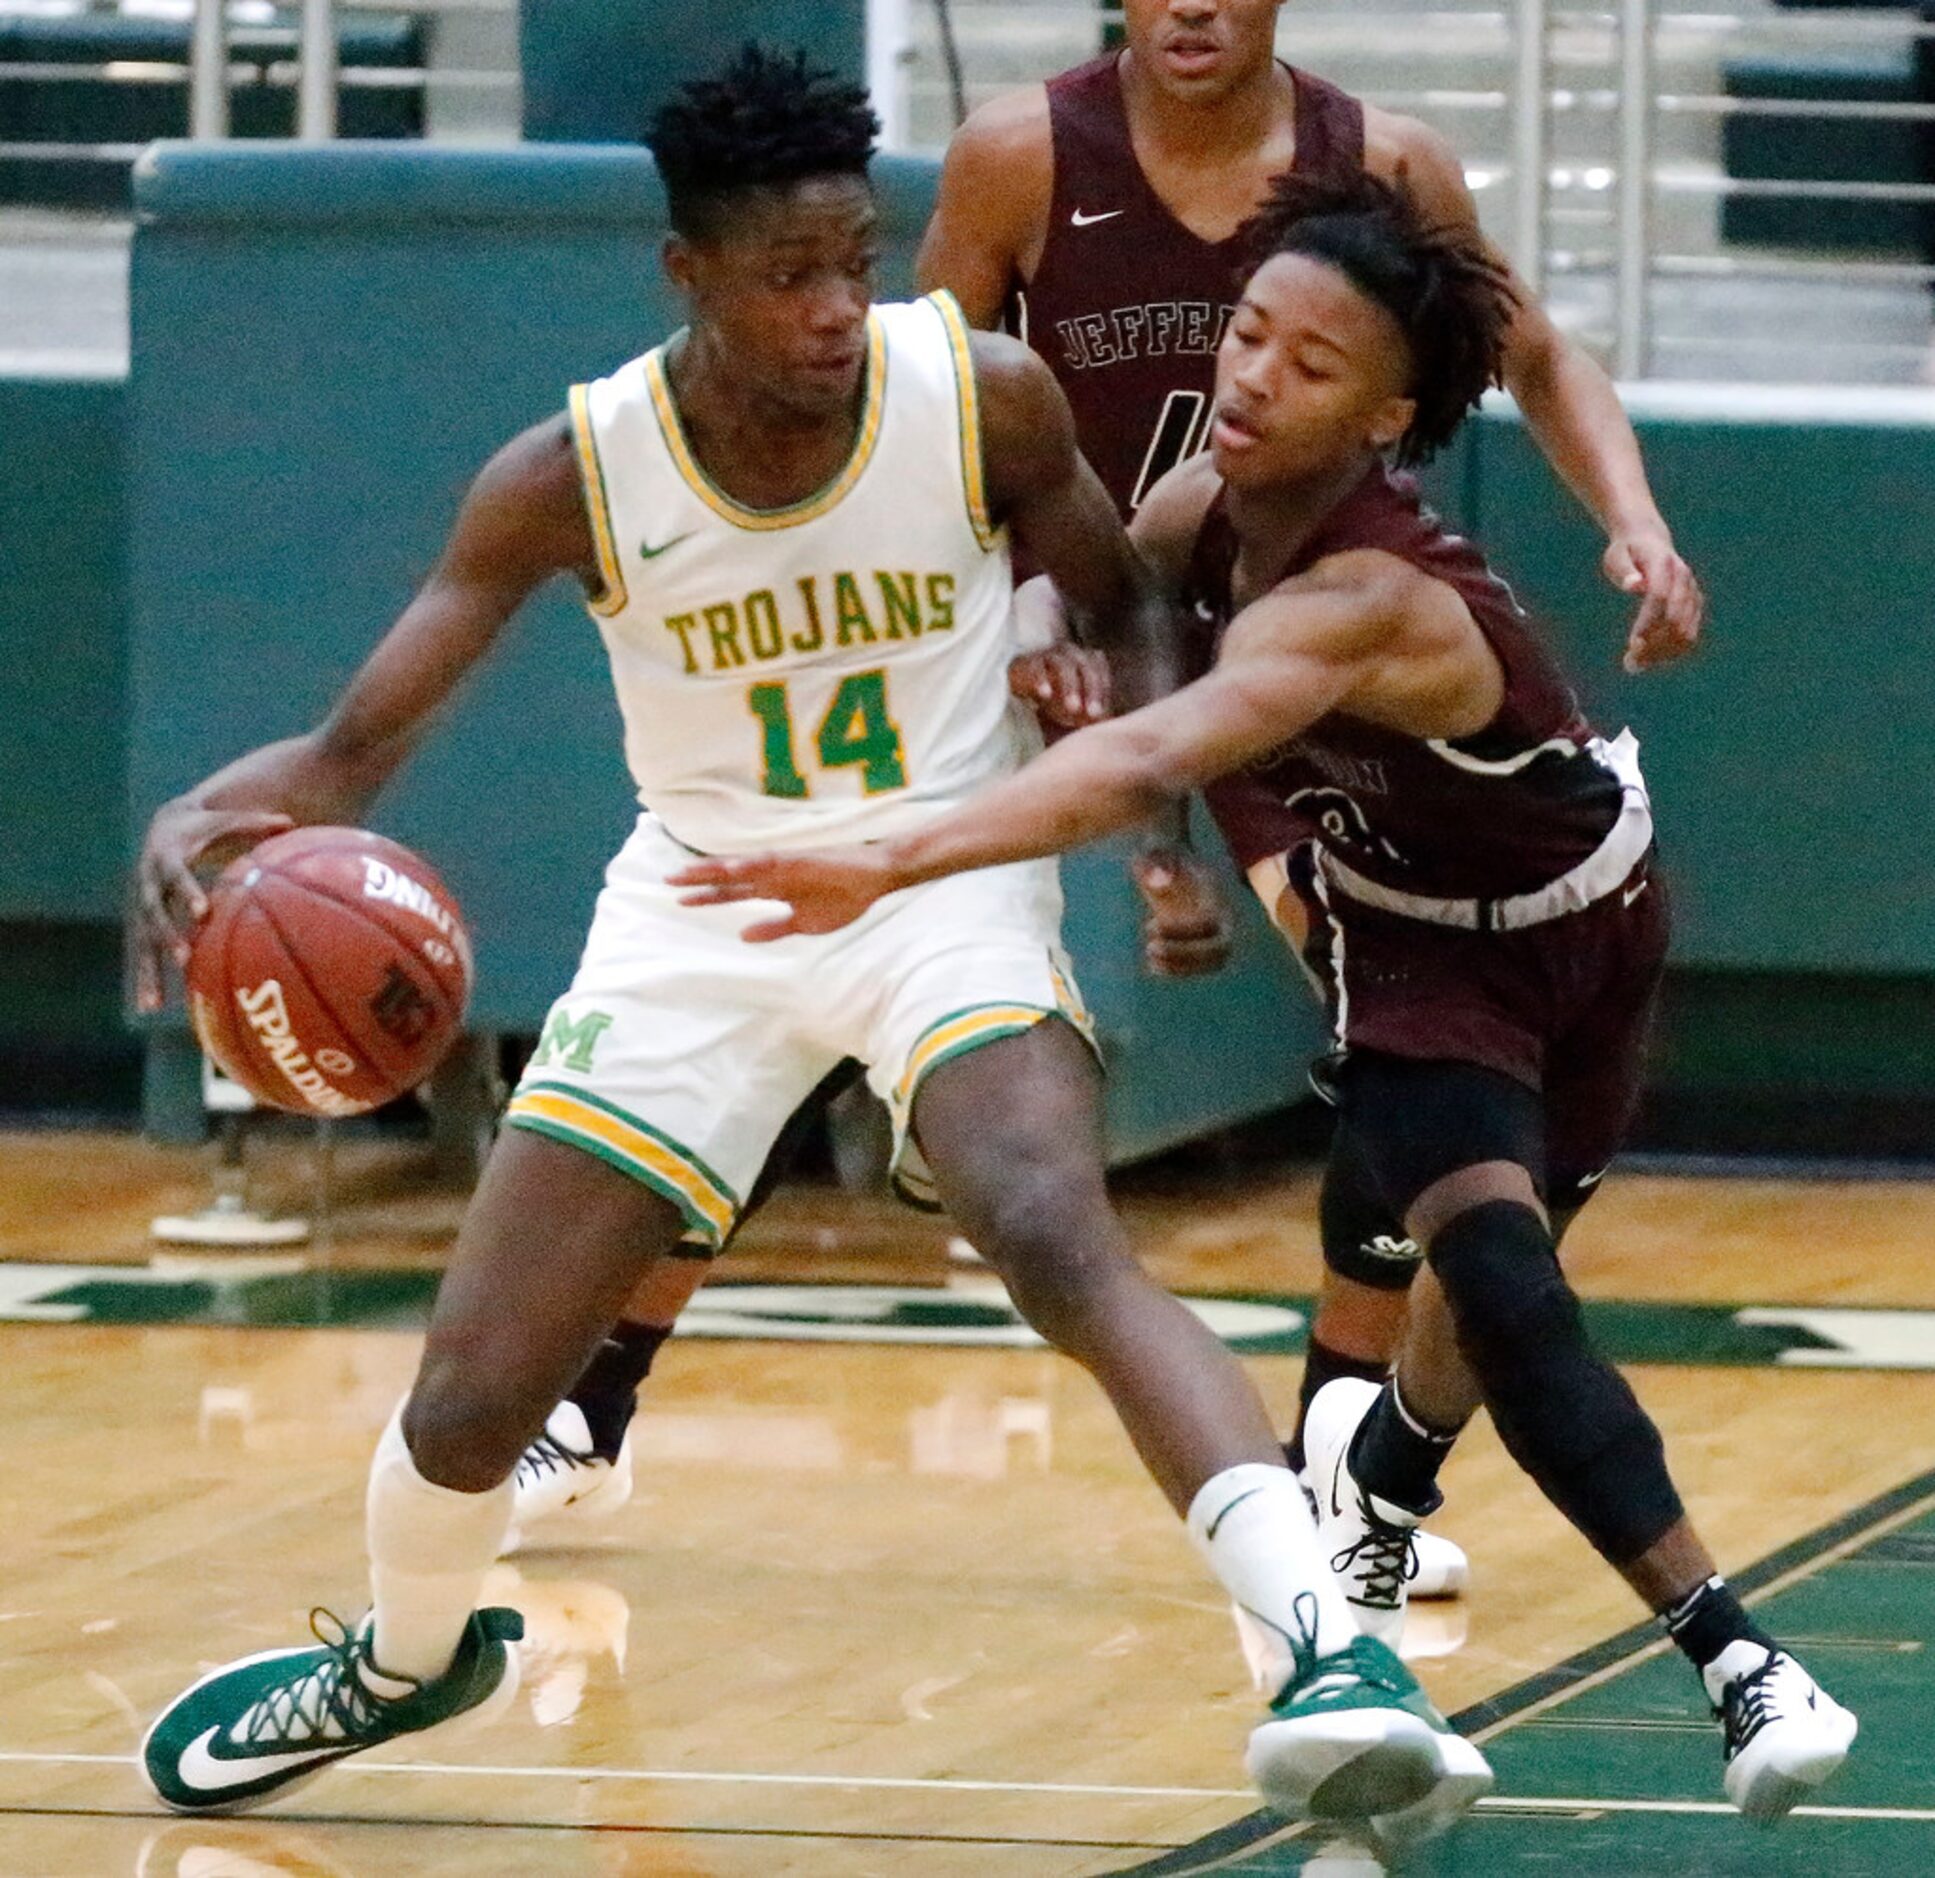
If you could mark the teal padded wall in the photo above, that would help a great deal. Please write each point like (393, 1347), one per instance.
(327, 343)
(63, 648)
(595, 69)
(1789, 761)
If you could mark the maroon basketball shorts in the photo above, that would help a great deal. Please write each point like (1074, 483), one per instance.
(1564, 1008)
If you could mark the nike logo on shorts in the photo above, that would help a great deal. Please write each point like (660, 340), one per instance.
(1079, 220)
(201, 1768)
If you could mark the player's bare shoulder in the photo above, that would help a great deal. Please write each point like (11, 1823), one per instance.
(1027, 430)
(1420, 162)
(991, 212)
(1375, 607)
(527, 507)
(1008, 142)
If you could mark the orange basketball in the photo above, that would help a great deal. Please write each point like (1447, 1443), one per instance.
(331, 973)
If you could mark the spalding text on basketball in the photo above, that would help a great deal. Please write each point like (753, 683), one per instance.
(381, 881)
(269, 1018)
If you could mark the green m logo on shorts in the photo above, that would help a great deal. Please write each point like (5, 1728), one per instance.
(570, 1040)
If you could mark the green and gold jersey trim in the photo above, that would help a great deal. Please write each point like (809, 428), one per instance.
(964, 1030)
(634, 1147)
(591, 471)
(873, 407)
(973, 474)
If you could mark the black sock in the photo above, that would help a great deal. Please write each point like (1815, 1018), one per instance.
(1323, 1365)
(1708, 1619)
(1395, 1456)
(608, 1389)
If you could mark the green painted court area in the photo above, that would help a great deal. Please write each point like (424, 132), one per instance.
(288, 1293)
(1620, 1778)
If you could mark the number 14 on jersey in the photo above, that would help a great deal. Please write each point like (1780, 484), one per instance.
(857, 729)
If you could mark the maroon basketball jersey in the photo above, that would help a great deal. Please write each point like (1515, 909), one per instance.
(1126, 305)
(1504, 812)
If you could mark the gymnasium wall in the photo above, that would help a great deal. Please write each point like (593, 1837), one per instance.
(326, 344)
(63, 739)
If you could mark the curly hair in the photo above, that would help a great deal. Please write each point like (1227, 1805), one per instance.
(1452, 300)
(767, 120)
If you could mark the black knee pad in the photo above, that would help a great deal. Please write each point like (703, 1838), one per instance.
(1410, 1123)
(1363, 1240)
(1566, 1415)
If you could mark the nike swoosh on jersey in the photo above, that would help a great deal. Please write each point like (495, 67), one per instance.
(201, 1769)
(1627, 898)
(647, 552)
(1079, 220)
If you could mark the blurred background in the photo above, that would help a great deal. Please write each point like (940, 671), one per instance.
(246, 372)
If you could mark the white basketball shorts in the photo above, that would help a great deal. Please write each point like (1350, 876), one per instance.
(680, 1050)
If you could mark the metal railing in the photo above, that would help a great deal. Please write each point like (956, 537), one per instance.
(1592, 139)
(229, 45)
(1591, 134)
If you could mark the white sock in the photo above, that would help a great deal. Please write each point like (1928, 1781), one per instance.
(1254, 1527)
(429, 1548)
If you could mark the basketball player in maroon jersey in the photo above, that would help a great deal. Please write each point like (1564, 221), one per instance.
(1476, 870)
(1096, 215)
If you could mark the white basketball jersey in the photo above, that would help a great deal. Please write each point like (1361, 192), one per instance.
(833, 671)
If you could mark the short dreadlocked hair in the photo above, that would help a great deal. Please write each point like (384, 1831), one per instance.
(768, 120)
(1454, 303)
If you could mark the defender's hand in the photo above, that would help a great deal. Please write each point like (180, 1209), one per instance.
(1067, 684)
(1672, 605)
(823, 891)
(170, 902)
(1186, 927)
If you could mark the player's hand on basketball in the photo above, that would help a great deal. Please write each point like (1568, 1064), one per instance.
(170, 902)
(1066, 683)
(1185, 927)
(1672, 606)
(822, 892)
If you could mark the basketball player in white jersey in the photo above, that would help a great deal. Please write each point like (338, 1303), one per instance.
(792, 522)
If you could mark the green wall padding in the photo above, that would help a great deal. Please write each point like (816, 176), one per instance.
(63, 648)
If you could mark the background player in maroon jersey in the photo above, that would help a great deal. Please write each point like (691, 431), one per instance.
(1476, 866)
(1097, 215)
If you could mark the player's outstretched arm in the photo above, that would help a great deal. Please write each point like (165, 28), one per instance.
(522, 521)
(1302, 650)
(1574, 412)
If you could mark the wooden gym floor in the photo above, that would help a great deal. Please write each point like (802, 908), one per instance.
(893, 1596)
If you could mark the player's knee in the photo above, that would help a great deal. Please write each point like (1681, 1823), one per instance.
(1362, 1240)
(1052, 1239)
(1507, 1295)
(465, 1429)
(1567, 1416)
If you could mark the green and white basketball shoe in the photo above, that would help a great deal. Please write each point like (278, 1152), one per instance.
(259, 1727)
(1353, 1737)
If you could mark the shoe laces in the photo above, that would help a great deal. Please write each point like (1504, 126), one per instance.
(548, 1455)
(1382, 1561)
(1355, 1665)
(328, 1701)
(1750, 1702)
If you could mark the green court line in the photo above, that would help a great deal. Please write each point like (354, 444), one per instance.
(1625, 1744)
(1494, 1713)
(306, 1296)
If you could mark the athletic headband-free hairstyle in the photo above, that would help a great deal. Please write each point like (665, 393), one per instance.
(768, 120)
(1452, 301)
